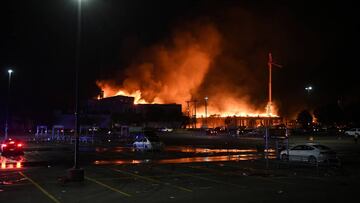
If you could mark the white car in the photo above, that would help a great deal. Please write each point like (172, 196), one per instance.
(310, 152)
(166, 129)
(352, 131)
(148, 143)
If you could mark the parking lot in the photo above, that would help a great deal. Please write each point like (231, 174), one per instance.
(196, 173)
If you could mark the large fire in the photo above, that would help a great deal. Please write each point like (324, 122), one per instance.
(177, 73)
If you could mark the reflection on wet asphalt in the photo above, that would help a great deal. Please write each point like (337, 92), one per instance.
(10, 162)
(187, 149)
(173, 154)
(233, 155)
(183, 149)
(238, 157)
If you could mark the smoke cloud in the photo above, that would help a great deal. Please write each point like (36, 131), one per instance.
(200, 61)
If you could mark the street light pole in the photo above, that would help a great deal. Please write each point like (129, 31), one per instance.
(309, 89)
(206, 100)
(78, 47)
(76, 173)
(10, 71)
(195, 101)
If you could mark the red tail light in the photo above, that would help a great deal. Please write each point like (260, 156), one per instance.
(3, 145)
(19, 145)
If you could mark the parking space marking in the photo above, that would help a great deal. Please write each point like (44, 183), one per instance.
(131, 178)
(40, 188)
(107, 186)
(202, 178)
(151, 180)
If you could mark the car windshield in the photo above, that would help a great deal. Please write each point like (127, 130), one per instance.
(322, 147)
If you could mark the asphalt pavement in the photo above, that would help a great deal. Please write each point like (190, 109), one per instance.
(211, 172)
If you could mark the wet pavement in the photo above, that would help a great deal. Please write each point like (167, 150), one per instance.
(180, 173)
(126, 155)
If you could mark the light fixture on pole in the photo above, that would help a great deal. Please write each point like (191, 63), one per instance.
(308, 89)
(10, 71)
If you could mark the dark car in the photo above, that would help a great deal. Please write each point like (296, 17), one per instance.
(11, 147)
(211, 131)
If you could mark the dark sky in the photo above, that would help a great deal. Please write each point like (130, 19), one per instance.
(317, 43)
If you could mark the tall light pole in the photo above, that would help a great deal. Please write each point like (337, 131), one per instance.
(206, 101)
(10, 71)
(76, 173)
(269, 108)
(309, 89)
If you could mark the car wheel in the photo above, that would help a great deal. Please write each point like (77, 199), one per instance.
(312, 160)
(284, 157)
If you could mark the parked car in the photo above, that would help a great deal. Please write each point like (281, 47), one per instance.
(166, 129)
(211, 131)
(352, 131)
(149, 142)
(252, 132)
(11, 147)
(310, 152)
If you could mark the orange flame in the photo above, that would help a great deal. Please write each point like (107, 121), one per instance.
(110, 91)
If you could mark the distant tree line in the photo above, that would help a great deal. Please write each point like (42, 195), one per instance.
(331, 114)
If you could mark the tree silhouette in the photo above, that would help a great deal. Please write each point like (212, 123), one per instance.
(305, 118)
(330, 114)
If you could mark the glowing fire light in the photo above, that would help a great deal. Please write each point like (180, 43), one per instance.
(230, 107)
(110, 91)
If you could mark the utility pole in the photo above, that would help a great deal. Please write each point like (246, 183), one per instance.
(188, 112)
(195, 101)
(267, 146)
(270, 64)
(269, 109)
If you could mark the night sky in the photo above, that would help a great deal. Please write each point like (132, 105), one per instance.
(317, 43)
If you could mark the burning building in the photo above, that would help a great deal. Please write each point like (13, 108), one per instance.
(193, 65)
(123, 110)
(110, 105)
